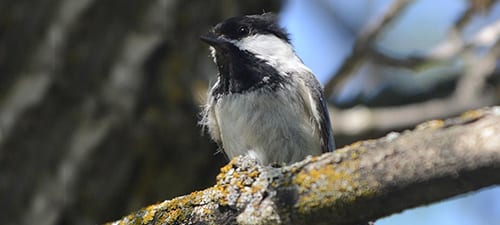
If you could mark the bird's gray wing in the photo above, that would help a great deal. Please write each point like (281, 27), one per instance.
(323, 117)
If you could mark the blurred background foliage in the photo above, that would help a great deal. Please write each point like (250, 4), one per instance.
(99, 100)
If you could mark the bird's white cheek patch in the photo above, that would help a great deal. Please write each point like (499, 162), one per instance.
(266, 46)
(273, 50)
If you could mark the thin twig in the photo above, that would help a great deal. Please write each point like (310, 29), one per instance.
(364, 41)
(445, 51)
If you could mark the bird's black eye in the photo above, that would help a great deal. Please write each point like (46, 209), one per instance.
(243, 30)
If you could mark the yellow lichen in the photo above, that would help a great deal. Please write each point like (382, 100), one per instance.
(149, 214)
(226, 168)
(330, 185)
(178, 209)
(354, 155)
(472, 114)
(207, 211)
(433, 124)
(356, 144)
(254, 174)
(256, 188)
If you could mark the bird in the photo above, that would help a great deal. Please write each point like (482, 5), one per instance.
(265, 103)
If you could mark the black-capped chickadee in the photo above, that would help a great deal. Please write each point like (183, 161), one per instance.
(265, 103)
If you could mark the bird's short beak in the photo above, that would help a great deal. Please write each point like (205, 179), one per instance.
(213, 40)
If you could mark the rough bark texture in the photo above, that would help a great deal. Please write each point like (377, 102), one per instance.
(361, 182)
(98, 110)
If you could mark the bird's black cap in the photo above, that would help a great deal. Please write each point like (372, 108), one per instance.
(239, 27)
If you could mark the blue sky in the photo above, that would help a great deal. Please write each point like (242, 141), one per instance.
(322, 43)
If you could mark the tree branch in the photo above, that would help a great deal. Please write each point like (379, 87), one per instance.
(363, 43)
(470, 93)
(364, 181)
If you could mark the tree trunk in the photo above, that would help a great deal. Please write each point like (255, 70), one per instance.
(99, 104)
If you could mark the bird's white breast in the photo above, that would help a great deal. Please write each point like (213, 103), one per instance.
(271, 126)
